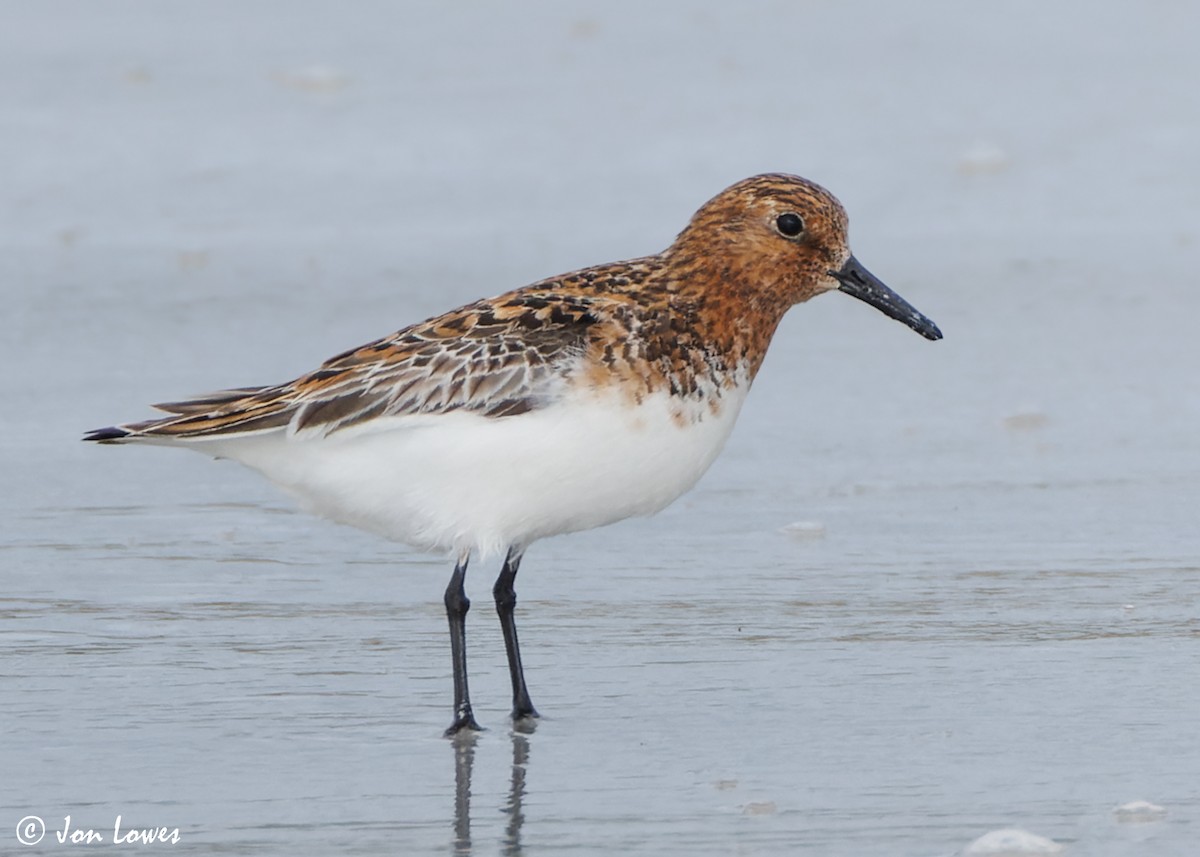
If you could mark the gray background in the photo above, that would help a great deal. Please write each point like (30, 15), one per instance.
(999, 625)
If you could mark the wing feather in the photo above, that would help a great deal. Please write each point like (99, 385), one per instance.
(207, 401)
(497, 358)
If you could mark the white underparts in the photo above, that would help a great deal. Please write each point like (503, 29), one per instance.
(459, 481)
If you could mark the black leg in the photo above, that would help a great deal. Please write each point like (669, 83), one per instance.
(506, 601)
(457, 606)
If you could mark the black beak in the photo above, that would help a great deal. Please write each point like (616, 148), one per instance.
(858, 281)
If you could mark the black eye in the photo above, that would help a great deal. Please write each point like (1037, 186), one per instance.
(789, 225)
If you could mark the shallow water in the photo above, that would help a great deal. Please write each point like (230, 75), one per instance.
(988, 618)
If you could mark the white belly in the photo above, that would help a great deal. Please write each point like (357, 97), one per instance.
(461, 481)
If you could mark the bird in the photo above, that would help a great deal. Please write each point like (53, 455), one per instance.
(568, 404)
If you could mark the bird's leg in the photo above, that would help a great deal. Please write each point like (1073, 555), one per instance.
(457, 605)
(506, 601)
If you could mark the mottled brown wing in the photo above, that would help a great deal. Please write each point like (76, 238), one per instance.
(497, 358)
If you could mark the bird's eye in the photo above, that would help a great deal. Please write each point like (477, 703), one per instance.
(789, 224)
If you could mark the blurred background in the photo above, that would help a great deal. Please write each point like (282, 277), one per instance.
(930, 590)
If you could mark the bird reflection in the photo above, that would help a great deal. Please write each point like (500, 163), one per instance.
(464, 762)
(516, 786)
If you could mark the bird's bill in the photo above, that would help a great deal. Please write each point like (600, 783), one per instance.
(860, 283)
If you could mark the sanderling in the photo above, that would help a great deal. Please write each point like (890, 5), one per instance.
(571, 403)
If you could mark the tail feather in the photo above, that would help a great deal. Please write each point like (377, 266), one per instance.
(192, 427)
(112, 434)
(229, 412)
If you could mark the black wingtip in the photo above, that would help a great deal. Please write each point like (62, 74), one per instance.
(107, 434)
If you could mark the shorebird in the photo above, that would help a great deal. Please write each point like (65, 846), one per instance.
(571, 403)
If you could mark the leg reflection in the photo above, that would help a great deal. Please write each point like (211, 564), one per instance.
(464, 760)
(516, 790)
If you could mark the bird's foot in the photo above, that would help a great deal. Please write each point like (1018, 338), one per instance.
(524, 718)
(464, 723)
